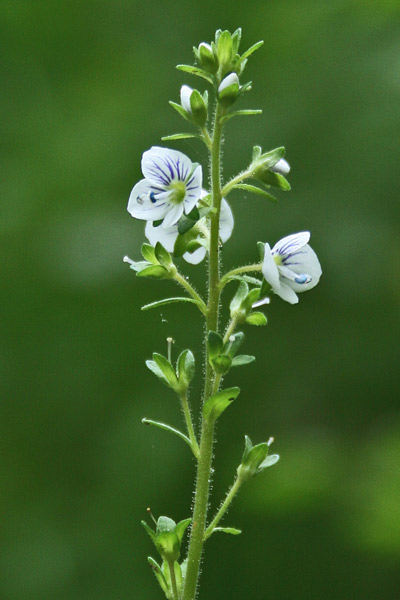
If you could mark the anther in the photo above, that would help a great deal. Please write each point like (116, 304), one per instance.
(302, 279)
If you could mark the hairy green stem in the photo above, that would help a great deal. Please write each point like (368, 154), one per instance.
(224, 507)
(239, 271)
(237, 179)
(210, 384)
(192, 292)
(189, 424)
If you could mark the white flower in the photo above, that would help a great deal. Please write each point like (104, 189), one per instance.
(172, 185)
(282, 167)
(186, 92)
(167, 235)
(291, 266)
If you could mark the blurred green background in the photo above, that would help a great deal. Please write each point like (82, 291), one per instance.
(85, 87)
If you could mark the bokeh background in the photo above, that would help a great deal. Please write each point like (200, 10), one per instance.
(85, 87)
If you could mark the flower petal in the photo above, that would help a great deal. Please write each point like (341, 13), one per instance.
(291, 243)
(193, 189)
(269, 268)
(286, 293)
(173, 215)
(226, 221)
(163, 165)
(186, 92)
(165, 235)
(141, 206)
(304, 262)
(282, 167)
(195, 257)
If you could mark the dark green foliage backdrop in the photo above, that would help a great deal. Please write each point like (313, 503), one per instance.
(85, 87)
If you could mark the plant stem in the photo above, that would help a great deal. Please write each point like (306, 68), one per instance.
(173, 580)
(238, 179)
(189, 424)
(185, 284)
(229, 497)
(210, 384)
(239, 271)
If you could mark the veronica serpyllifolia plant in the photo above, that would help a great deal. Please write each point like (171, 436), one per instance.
(186, 218)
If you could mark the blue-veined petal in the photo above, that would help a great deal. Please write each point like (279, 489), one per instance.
(161, 166)
(193, 189)
(173, 215)
(142, 205)
(305, 262)
(291, 243)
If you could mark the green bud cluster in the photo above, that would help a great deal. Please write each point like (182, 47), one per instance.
(242, 303)
(167, 539)
(262, 164)
(222, 355)
(177, 379)
(157, 263)
(255, 459)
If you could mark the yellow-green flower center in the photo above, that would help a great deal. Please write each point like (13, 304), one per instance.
(178, 191)
(278, 259)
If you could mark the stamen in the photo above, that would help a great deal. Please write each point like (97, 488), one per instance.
(128, 260)
(302, 278)
(153, 197)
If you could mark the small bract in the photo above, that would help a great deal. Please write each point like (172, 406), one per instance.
(291, 266)
(172, 186)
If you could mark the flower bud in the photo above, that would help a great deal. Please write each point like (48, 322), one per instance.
(207, 59)
(255, 459)
(193, 103)
(282, 167)
(229, 90)
(225, 51)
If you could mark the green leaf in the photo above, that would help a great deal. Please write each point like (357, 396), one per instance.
(236, 37)
(180, 110)
(231, 530)
(256, 318)
(271, 460)
(185, 367)
(255, 190)
(221, 363)
(216, 404)
(257, 150)
(149, 254)
(168, 428)
(247, 279)
(186, 222)
(180, 136)
(242, 359)
(154, 368)
(155, 272)
(162, 255)
(270, 158)
(233, 344)
(181, 527)
(238, 298)
(261, 250)
(168, 371)
(215, 343)
(252, 49)
(275, 180)
(251, 297)
(165, 301)
(196, 71)
(241, 113)
(155, 567)
(149, 530)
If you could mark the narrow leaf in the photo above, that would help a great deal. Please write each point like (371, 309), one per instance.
(180, 136)
(242, 359)
(275, 180)
(216, 404)
(149, 254)
(231, 530)
(165, 301)
(154, 368)
(155, 567)
(255, 190)
(272, 459)
(167, 369)
(196, 71)
(180, 110)
(168, 428)
(185, 367)
(241, 113)
(247, 279)
(252, 49)
(215, 343)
